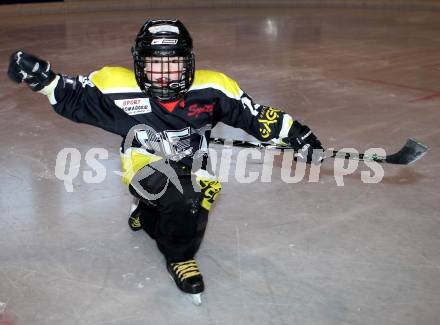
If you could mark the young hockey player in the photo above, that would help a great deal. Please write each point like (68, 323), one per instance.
(164, 111)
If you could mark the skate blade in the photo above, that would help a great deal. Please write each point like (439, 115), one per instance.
(196, 298)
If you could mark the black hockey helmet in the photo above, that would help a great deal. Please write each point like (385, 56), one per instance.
(166, 41)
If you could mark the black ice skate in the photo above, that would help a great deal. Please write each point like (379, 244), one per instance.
(143, 216)
(188, 278)
(134, 221)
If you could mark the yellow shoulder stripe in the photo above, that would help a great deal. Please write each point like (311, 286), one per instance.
(213, 79)
(115, 79)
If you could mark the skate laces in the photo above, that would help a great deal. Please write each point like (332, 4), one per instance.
(135, 222)
(185, 269)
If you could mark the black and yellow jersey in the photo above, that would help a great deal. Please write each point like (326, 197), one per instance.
(111, 99)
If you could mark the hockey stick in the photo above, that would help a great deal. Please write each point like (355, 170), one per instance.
(410, 152)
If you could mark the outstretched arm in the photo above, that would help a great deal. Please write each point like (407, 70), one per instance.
(74, 98)
(265, 122)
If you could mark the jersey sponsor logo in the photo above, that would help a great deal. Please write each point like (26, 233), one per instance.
(195, 110)
(134, 106)
(268, 116)
(164, 41)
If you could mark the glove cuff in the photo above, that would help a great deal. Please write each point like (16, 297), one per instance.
(49, 90)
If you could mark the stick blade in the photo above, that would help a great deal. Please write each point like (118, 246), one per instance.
(412, 150)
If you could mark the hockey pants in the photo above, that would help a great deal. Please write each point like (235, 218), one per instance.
(177, 221)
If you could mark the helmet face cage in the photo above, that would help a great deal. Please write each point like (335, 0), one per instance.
(163, 59)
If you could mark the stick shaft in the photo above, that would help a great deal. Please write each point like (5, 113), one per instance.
(266, 145)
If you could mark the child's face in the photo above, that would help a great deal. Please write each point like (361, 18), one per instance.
(161, 70)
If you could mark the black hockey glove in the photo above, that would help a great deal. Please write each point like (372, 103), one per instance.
(30, 69)
(302, 140)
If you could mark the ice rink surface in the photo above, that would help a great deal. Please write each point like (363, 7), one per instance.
(274, 253)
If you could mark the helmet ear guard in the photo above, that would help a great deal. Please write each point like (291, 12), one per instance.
(165, 41)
